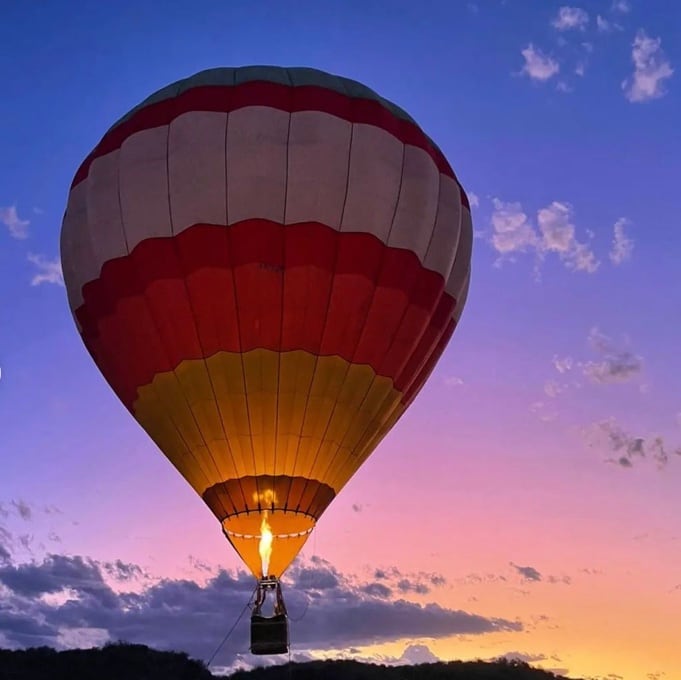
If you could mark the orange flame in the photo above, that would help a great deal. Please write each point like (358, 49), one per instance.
(265, 547)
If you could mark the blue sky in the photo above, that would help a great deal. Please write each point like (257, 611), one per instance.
(560, 120)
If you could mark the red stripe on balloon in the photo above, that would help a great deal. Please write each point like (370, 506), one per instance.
(417, 382)
(224, 99)
(262, 285)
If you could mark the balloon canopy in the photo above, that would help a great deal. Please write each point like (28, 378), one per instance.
(266, 264)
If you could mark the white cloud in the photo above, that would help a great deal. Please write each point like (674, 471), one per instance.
(418, 654)
(570, 18)
(622, 245)
(651, 69)
(582, 63)
(563, 365)
(17, 227)
(622, 6)
(513, 232)
(453, 381)
(607, 25)
(539, 409)
(553, 389)
(538, 66)
(473, 199)
(49, 271)
(598, 340)
(558, 235)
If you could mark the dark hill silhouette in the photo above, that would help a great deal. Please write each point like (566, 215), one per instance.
(122, 661)
(119, 661)
(354, 670)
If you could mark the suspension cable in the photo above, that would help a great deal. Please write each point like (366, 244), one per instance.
(234, 625)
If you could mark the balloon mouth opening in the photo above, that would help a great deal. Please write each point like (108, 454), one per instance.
(282, 523)
(258, 537)
(268, 540)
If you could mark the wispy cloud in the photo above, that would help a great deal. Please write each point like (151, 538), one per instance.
(628, 449)
(607, 25)
(523, 657)
(651, 69)
(558, 234)
(570, 18)
(538, 65)
(473, 199)
(615, 365)
(622, 245)
(17, 227)
(621, 6)
(553, 389)
(48, 271)
(528, 573)
(453, 381)
(23, 509)
(513, 232)
(563, 364)
(539, 409)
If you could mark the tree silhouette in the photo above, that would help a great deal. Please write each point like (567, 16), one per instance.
(124, 661)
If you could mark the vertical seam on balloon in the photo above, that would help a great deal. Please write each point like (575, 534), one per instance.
(368, 312)
(241, 345)
(236, 306)
(218, 467)
(421, 378)
(256, 476)
(347, 368)
(243, 370)
(283, 299)
(437, 213)
(340, 226)
(290, 120)
(227, 239)
(387, 239)
(437, 339)
(444, 292)
(365, 436)
(330, 463)
(183, 279)
(326, 311)
(155, 325)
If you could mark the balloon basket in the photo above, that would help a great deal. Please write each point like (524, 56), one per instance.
(269, 634)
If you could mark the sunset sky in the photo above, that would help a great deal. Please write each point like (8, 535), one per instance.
(528, 503)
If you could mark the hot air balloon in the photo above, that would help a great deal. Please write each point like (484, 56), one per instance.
(266, 264)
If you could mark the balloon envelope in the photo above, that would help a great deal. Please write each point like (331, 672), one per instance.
(265, 264)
